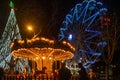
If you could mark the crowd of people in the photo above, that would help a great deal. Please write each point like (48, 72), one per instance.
(63, 73)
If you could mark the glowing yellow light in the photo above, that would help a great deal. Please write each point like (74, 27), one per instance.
(66, 43)
(29, 28)
(37, 58)
(21, 41)
(50, 58)
(43, 57)
(11, 45)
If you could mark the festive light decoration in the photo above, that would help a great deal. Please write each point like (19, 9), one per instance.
(36, 48)
(42, 50)
(42, 53)
(70, 37)
(12, 4)
(102, 44)
(105, 21)
(11, 32)
(83, 22)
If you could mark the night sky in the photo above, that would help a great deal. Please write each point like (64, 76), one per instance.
(45, 15)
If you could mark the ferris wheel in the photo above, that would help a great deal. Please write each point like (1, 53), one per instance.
(82, 28)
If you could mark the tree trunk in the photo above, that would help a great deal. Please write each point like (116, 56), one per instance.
(107, 72)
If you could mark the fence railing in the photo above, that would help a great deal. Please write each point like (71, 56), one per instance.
(40, 77)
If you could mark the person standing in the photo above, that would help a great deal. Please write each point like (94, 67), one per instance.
(64, 73)
(1, 73)
(92, 75)
(55, 73)
(82, 73)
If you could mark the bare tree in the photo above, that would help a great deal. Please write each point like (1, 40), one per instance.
(111, 36)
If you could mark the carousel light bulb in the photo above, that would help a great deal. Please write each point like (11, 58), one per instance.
(43, 57)
(50, 58)
(37, 58)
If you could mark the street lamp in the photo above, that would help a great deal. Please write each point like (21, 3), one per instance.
(30, 28)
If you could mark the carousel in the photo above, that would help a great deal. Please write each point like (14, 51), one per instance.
(42, 52)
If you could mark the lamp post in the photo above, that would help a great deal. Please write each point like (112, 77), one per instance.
(30, 28)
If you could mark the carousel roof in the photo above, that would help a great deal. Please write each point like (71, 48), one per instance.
(36, 48)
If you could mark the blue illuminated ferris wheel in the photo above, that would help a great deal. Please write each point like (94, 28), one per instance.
(82, 28)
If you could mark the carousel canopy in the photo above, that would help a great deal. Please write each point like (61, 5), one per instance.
(37, 48)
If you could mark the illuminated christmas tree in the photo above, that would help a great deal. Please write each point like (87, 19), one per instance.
(11, 32)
